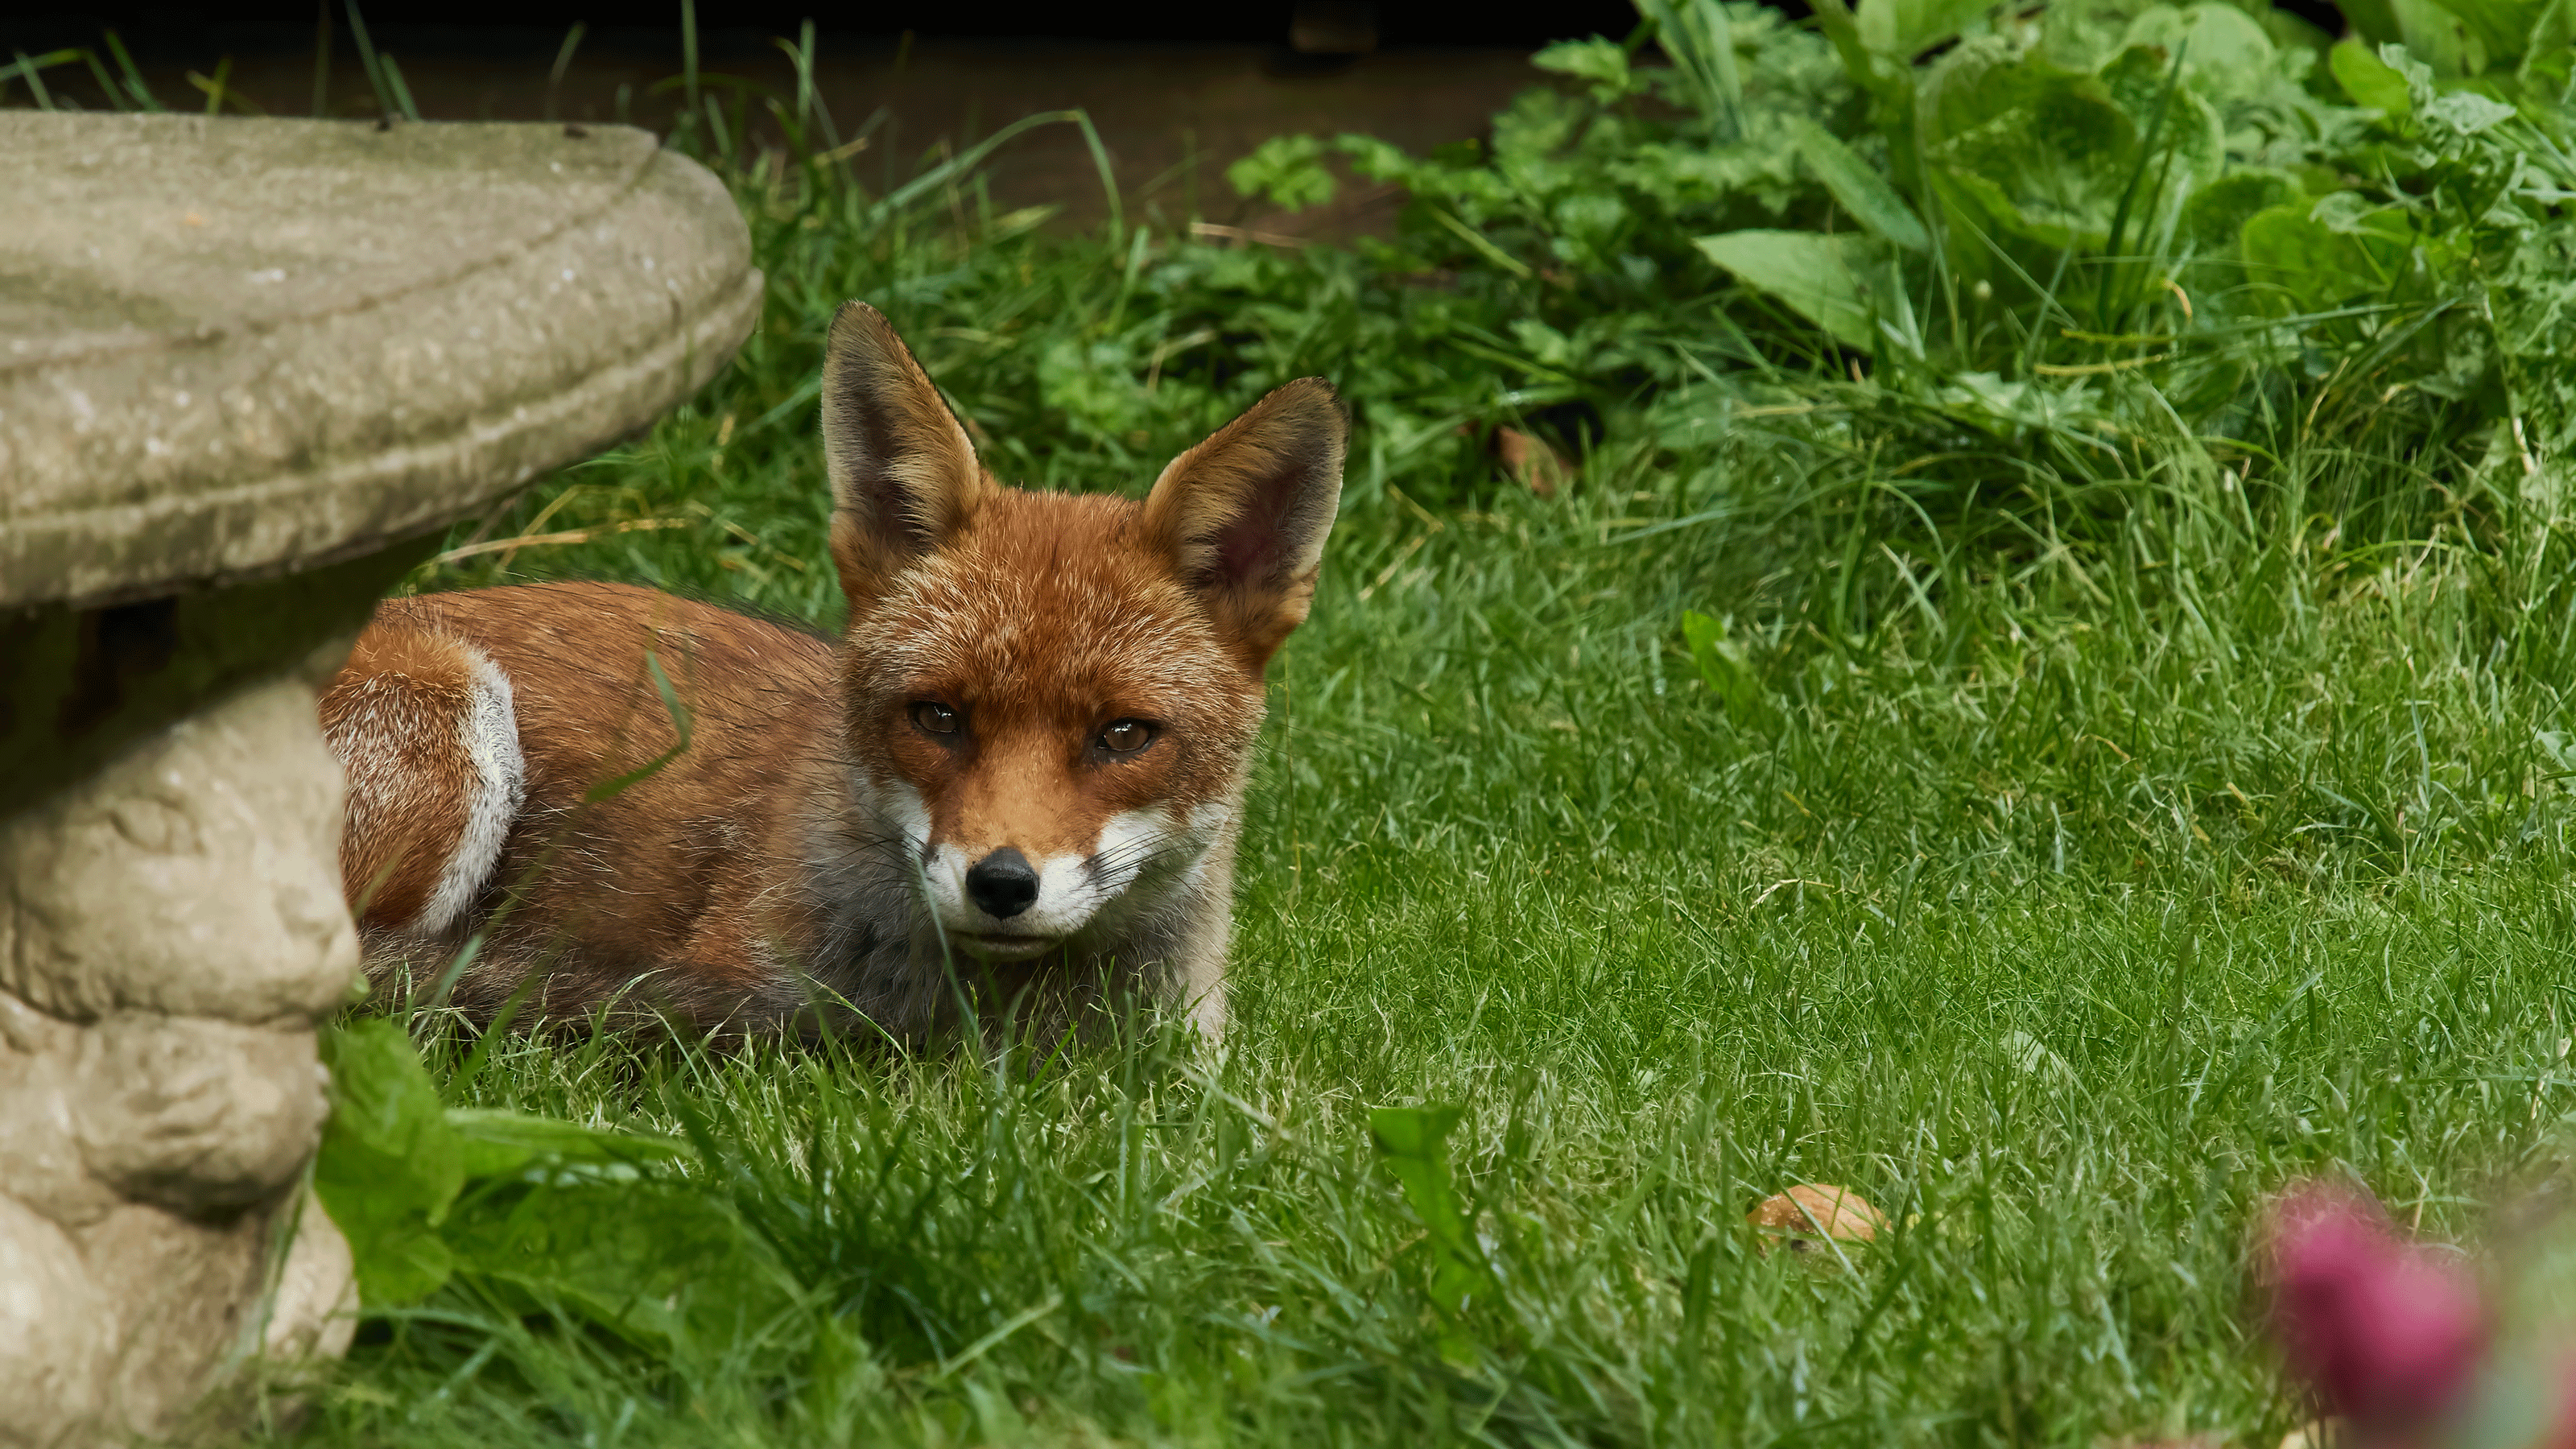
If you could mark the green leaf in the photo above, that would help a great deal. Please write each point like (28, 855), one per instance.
(2549, 56)
(2502, 29)
(498, 1144)
(659, 1263)
(2372, 21)
(1821, 277)
(1984, 105)
(1903, 29)
(394, 1161)
(2467, 113)
(1410, 1144)
(1093, 384)
(2340, 252)
(1601, 62)
(2012, 409)
(1889, 81)
(1289, 170)
(389, 1166)
(1723, 666)
(2436, 39)
(1868, 196)
(2369, 80)
(2224, 53)
(2213, 223)
(2123, 148)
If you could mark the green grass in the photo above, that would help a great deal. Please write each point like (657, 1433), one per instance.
(2064, 891)
(1986, 937)
(1159, 1250)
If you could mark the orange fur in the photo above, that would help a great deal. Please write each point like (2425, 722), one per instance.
(398, 694)
(1017, 777)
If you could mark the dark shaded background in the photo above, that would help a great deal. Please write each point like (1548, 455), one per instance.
(1177, 93)
(180, 31)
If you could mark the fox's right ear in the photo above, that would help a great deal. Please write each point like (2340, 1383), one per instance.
(904, 476)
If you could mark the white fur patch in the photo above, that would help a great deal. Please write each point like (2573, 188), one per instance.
(489, 730)
(1074, 888)
(895, 803)
(943, 875)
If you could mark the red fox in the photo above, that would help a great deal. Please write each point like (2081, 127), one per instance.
(1017, 777)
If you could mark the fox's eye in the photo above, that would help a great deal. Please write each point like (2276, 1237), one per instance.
(935, 718)
(1126, 736)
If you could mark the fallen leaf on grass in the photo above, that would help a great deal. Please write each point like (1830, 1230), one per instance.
(1531, 461)
(1812, 1211)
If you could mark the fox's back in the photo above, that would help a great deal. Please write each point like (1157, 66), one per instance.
(580, 659)
(630, 849)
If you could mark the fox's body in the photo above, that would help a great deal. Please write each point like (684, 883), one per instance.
(1020, 773)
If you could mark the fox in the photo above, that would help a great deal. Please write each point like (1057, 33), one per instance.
(1013, 783)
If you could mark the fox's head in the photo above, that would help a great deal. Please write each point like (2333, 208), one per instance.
(1050, 701)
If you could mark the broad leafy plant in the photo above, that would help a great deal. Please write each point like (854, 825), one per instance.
(2050, 233)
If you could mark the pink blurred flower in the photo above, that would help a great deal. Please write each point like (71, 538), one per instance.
(2562, 1430)
(2388, 1333)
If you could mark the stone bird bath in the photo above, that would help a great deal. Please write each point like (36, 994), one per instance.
(247, 369)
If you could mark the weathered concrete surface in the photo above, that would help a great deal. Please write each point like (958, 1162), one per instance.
(170, 931)
(231, 347)
(79, 685)
(197, 876)
(245, 366)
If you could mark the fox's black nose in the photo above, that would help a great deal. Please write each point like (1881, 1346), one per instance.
(1002, 883)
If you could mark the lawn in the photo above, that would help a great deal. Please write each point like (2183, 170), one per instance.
(2064, 834)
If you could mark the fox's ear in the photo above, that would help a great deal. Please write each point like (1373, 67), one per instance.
(904, 477)
(1244, 514)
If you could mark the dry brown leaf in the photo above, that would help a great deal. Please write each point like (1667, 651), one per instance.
(1532, 461)
(1813, 1209)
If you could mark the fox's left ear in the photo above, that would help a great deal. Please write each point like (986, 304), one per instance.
(1244, 514)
